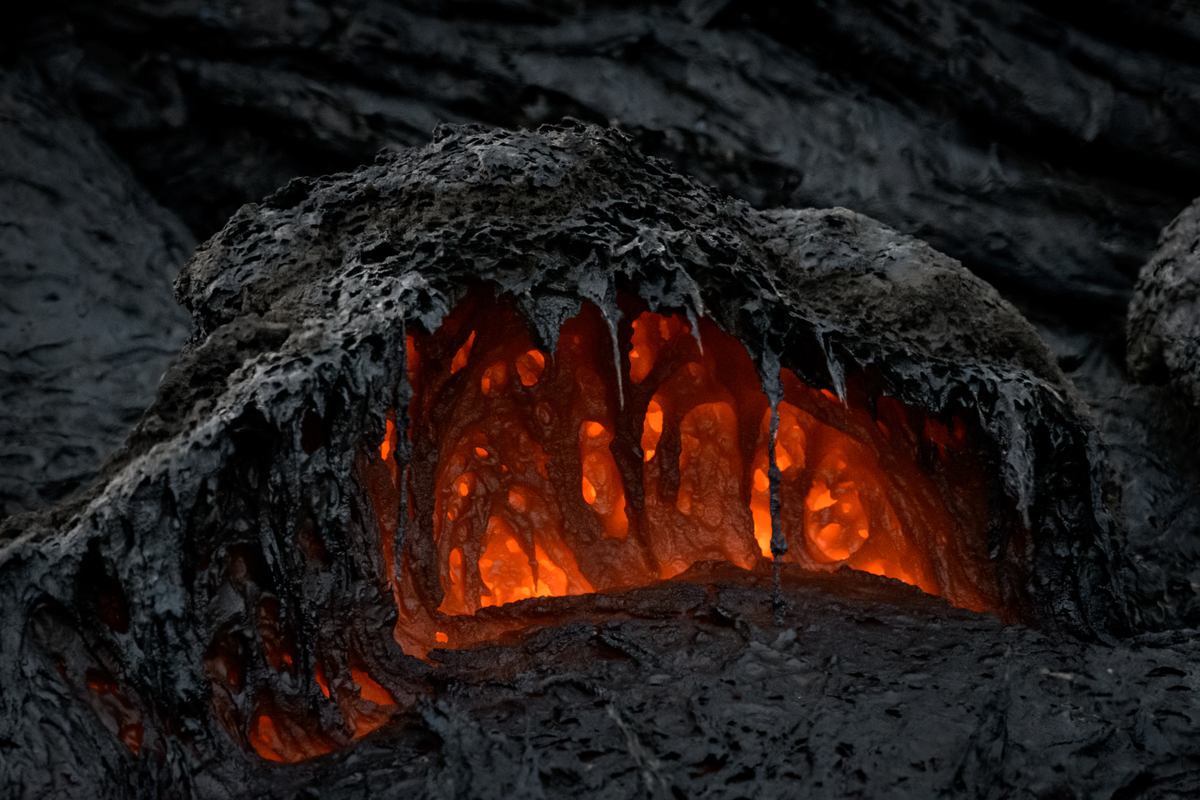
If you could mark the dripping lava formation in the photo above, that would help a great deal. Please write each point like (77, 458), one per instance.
(516, 383)
(527, 474)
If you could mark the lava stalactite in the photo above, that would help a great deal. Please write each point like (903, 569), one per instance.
(540, 474)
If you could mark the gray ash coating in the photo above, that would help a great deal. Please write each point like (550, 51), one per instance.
(1164, 316)
(300, 308)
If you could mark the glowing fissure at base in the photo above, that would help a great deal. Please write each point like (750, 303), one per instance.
(531, 478)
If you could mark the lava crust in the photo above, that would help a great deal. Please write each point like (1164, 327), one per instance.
(245, 609)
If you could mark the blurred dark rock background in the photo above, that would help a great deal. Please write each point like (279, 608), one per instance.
(1043, 144)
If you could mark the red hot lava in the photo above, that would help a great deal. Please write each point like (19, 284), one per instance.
(528, 474)
(538, 474)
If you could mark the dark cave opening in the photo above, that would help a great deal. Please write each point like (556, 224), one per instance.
(534, 470)
(531, 473)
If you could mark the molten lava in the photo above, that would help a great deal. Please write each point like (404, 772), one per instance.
(528, 473)
(517, 473)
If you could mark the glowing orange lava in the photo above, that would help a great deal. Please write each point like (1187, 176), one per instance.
(536, 474)
(519, 472)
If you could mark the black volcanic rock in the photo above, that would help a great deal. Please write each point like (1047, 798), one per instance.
(1164, 316)
(88, 323)
(871, 691)
(1151, 423)
(300, 307)
(1044, 145)
(1149, 434)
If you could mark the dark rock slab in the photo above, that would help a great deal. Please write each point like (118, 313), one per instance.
(872, 692)
(1149, 434)
(1044, 145)
(87, 320)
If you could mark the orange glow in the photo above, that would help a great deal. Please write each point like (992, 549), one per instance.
(411, 359)
(131, 736)
(388, 445)
(760, 490)
(277, 738)
(494, 378)
(601, 483)
(529, 367)
(509, 574)
(276, 641)
(369, 689)
(463, 355)
(538, 474)
(115, 708)
(98, 683)
(652, 427)
(534, 453)
(369, 706)
(265, 739)
(650, 333)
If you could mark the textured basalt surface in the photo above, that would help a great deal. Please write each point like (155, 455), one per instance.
(1164, 316)
(1145, 426)
(1146, 430)
(855, 691)
(228, 551)
(1044, 145)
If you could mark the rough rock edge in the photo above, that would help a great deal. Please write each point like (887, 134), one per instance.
(1164, 316)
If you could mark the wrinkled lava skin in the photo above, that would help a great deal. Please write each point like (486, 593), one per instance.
(870, 691)
(228, 542)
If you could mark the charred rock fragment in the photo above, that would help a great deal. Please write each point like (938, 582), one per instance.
(515, 381)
